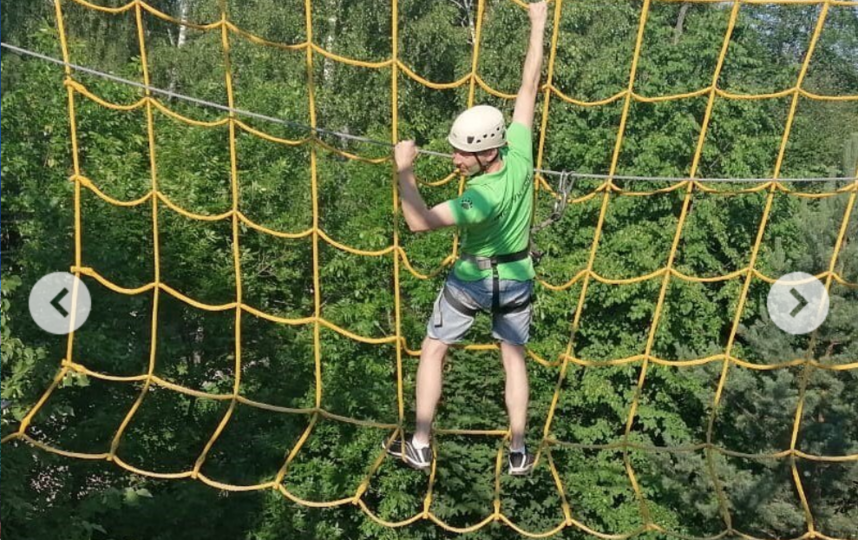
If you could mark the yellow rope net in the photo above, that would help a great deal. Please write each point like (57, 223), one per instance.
(607, 191)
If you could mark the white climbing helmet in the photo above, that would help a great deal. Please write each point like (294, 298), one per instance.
(478, 128)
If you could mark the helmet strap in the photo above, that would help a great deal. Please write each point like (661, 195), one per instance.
(484, 166)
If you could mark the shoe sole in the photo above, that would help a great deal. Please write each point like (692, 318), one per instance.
(418, 467)
(398, 455)
(521, 472)
(389, 451)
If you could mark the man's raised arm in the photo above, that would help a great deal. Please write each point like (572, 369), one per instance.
(526, 100)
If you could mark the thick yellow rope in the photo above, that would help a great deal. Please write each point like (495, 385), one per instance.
(316, 234)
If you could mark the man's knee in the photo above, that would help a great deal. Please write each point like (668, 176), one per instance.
(433, 349)
(510, 350)
(512, 355)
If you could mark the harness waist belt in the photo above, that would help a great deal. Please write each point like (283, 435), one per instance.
(487, 263)
(491, 263)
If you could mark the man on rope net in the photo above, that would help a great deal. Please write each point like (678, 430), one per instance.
(494, 273)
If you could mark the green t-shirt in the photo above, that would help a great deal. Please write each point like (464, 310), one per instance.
(494, 213)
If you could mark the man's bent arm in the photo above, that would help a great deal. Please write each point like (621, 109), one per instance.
(418, 217)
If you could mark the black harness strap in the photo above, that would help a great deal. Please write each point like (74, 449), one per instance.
(456, 304)
(486, 263)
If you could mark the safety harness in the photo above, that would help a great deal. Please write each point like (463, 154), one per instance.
(565, 185)
(486, 263)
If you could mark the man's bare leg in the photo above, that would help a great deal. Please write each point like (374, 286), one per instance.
(517, 391)
(429, 382)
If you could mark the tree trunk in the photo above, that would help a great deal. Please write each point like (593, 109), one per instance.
(327, 63)
(680, 20)
(180, 41)
(850, 155)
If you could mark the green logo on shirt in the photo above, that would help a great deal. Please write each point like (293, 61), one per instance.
(467, 204)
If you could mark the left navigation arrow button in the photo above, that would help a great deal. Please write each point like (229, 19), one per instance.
(60, 303)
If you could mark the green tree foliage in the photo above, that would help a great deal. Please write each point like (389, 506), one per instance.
(43, 493)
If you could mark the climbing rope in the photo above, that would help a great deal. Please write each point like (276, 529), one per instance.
(607, 191)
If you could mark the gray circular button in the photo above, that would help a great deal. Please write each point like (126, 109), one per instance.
(798, 303)
(51, 303)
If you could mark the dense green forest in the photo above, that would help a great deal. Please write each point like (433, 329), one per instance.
(698, 492)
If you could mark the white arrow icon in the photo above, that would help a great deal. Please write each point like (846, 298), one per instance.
(53, 299)
(798, 303)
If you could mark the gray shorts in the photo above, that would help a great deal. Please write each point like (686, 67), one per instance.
(449, 326)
